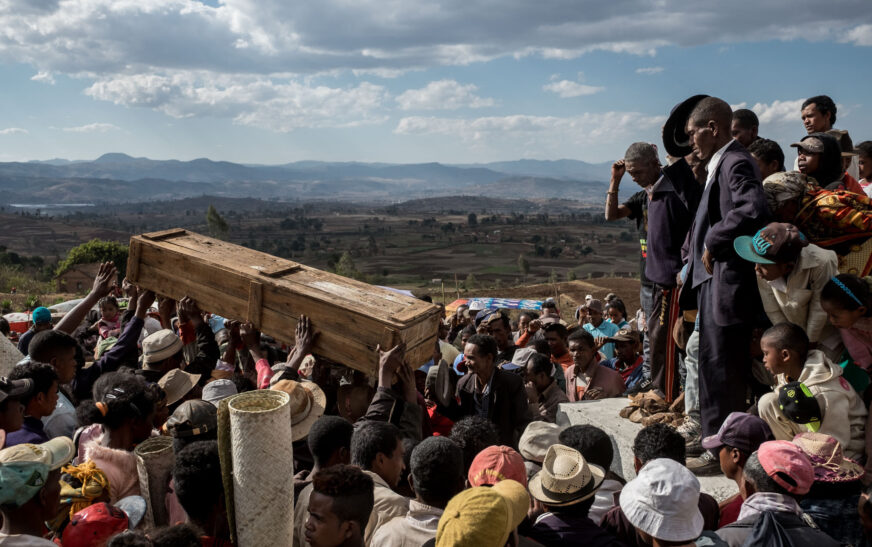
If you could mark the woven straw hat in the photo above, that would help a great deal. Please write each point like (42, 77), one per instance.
(825, 454)
(9, 356)
(154, 464)
(257, 467)
(566, 478)
(307, 405)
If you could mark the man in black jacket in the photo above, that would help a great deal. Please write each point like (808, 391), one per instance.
(492, 393)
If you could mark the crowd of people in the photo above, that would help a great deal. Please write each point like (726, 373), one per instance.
(753, 315)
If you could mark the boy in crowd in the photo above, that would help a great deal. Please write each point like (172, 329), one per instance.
(30, 496)
(341, 503)
(599, 328)
(556, 335)
(377, 448)
(329, 443)
(739, 437)
(627, 360)
(436, 477)
(595, 445)
(843, 414)
(38, 404)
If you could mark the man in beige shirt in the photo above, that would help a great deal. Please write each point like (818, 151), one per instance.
(436, 476)
(377, 448)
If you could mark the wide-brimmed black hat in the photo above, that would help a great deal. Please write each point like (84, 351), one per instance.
(675, 138)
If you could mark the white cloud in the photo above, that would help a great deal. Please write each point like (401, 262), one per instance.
(567, 89)
(13, 131)
(859, 36)
(277, 104)
(43, 76)
(649, 70)
(442, 95)
(91, 128)
(541, 135)
(778, 111)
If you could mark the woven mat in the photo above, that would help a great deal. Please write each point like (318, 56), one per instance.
(257, 464)
(154, 463)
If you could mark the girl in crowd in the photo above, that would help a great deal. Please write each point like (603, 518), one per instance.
(121, 416)
(616, 312)
(109, 324)
(847, 301)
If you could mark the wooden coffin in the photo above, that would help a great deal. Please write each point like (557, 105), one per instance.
(351, 317)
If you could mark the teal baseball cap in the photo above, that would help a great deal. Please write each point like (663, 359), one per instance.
(41, 315)
(20, 481)
(777, 243)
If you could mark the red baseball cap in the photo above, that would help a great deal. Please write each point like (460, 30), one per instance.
(787, 465)
(495, 464)
(96, 524)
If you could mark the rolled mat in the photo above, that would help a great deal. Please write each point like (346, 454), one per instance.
(257, 467)
(154, 463)
(9, 355)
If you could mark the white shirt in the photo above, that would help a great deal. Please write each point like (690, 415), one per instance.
(713, 164)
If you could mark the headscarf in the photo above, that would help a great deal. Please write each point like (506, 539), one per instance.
(785, 186)
(830, 163)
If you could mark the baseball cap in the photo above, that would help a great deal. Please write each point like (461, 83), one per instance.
(217, 390)
(495, 464)
(625, 335)
(41, 315)
(799, 405)
(663, 501)
(97, 523)
(787, 465)
(810, 144)
(177, 383)
(777, 243)
(742, 431)
(160, 345)
(14, 388)
(482, 516)
(53, 453)
(24, 468)
(193, 418)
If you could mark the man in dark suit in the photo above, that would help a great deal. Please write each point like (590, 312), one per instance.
(491, 392)
(732, 204)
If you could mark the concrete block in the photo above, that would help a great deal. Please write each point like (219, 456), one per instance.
(604, 414)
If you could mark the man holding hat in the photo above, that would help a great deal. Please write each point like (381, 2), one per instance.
(566, 486)
(719, 283)
(791, 273)
(41, 318)
(773, 478)
(30, 489)
(599, 328)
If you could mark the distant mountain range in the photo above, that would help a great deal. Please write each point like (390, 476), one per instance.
(116, 178)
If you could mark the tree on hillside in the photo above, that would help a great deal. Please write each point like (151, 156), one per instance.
(218, 227)
(472, 219)
(96, 250)
(469, 284)
(345, 266)
(523, 266)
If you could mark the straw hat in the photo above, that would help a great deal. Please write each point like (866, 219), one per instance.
(307, 405)
(566, 478)
(177, 383)
(825, 454)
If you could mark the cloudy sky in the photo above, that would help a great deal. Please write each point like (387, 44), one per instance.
(273, 81)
